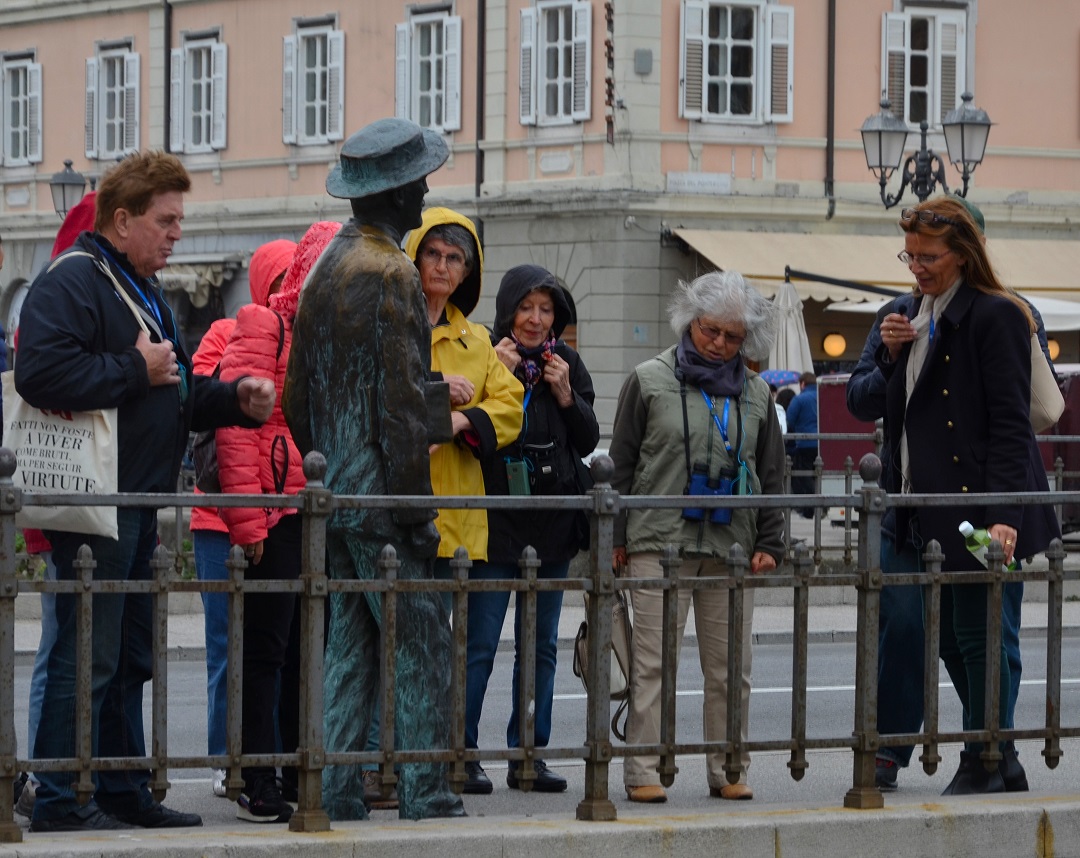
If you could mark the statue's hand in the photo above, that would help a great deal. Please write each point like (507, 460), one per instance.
(424, 539)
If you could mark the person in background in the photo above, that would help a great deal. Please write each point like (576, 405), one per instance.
(485, 398)
(901, 626)
(78, 220)
(781, 412)
(80, 348)
(696, 420)
(558, 429)
(802, 417)
(941, 357)
(209, 534)
(266, 461)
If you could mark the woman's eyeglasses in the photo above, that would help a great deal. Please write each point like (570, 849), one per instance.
(927, 217)
(431, 256)
(711, 334)
(925, 261)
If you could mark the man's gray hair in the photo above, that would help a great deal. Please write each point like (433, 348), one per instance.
(457, 235)
(725, 295)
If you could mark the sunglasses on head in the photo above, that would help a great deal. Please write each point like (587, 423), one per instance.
(927, 217)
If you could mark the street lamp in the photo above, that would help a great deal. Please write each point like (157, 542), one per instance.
(67, 188)
(884, 137)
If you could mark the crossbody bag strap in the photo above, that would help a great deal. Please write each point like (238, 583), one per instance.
(685, 429)
(124, 296)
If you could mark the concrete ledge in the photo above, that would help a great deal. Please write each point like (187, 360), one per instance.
(958, 828)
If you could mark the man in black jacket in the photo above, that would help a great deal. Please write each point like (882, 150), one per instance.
(81, 348)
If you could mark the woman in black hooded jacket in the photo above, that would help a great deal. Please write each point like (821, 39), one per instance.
(559, 427)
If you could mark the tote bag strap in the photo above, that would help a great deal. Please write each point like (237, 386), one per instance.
(101, 266)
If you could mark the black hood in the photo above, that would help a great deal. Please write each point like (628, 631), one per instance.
(518, 282)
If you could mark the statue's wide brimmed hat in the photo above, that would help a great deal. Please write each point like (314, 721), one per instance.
(388, 153)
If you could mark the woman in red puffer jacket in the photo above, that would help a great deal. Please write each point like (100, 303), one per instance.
(266, 461)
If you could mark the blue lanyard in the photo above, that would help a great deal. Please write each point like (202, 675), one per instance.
(931, 327)
(528, 396)
(147, 301)
(720, 426)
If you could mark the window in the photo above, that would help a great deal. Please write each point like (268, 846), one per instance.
(736, 62)
(923, 63)
(556, 59)
(428, 71)
(313, 97)
(112, 102)
(20, 101)
(198, 95)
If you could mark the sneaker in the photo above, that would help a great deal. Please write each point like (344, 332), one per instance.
(219, 782)
(89, 818)
(373, 793)
(264, 803)
(25, 805)
(156, 815)
(885, 774)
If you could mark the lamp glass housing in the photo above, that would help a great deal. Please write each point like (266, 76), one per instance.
(67, 189)
(834, 345)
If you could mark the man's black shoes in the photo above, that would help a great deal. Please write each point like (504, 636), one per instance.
(546, 780)
(83, 819)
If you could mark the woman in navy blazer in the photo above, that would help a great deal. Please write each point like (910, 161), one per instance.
(957, 403)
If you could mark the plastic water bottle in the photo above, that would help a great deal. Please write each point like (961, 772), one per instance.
(978, 543)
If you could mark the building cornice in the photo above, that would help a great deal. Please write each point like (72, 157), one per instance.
(14, 12)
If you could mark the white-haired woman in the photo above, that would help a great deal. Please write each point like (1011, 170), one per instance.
(693, 420)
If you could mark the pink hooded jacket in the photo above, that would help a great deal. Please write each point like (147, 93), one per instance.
(265, 460)
(268, 262)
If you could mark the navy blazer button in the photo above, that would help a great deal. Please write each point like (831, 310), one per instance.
(947, 358)
(945, 392)
(963, 488)
(950, 424)
(956, 460)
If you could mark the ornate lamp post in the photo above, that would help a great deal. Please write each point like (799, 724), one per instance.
(884, 137)
(67, 188)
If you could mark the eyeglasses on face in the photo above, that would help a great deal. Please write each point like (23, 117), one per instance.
(922, 259)
(710, 333)
(431, 256)
(927, 217)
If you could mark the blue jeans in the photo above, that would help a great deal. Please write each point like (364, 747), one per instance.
(121, 665)
(41, 660)
(486, 614)
(211, 552)
(900, 650)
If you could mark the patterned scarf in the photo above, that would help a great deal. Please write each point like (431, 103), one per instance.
(533, 370)
(716, 378)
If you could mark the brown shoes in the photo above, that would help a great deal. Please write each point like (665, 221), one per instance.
(732, 792)
(647, 794)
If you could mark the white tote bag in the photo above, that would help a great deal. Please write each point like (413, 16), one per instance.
(64, 452)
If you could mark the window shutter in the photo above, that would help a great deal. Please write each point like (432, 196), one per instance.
(33, 92)
(178, 131)
(3, 115)
(527, 76)
(581, 107)
(131, 102)
(219, 94)
(335, 109)
(452, 72)
(402, 90)
(692, 60)
(288, 90)
(90, 119)
(780, 33)
(895, 37)
(951, 42)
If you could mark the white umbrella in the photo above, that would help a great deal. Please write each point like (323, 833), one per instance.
(792, 348)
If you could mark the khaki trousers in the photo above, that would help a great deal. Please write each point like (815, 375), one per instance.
(711, 618)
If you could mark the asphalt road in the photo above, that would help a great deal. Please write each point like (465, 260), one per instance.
(830, 706)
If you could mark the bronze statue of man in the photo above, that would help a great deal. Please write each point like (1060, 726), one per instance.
(355, 391)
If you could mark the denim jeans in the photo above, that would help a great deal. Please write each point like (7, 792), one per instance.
(211, 551)
(121, 665)
(900, 650)
(487, 611)
(41, 660)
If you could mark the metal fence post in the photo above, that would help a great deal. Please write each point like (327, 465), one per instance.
(161, 565)
(388, 566)
(669, 664)
(84, 566)
(596, 805)
(799, 658)
(1054, 595)
(234, 672)
(739, 564)
(995, 559)
(932, 559)
(460, 565)
(10, 503)
(526, 774)
(318, 504)
(864, 794)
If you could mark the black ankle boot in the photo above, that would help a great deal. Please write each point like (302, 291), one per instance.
(1012, 773)
(972, 778)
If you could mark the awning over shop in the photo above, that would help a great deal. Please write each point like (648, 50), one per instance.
(1045, 267)
(197, 273)
(1057, 315)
